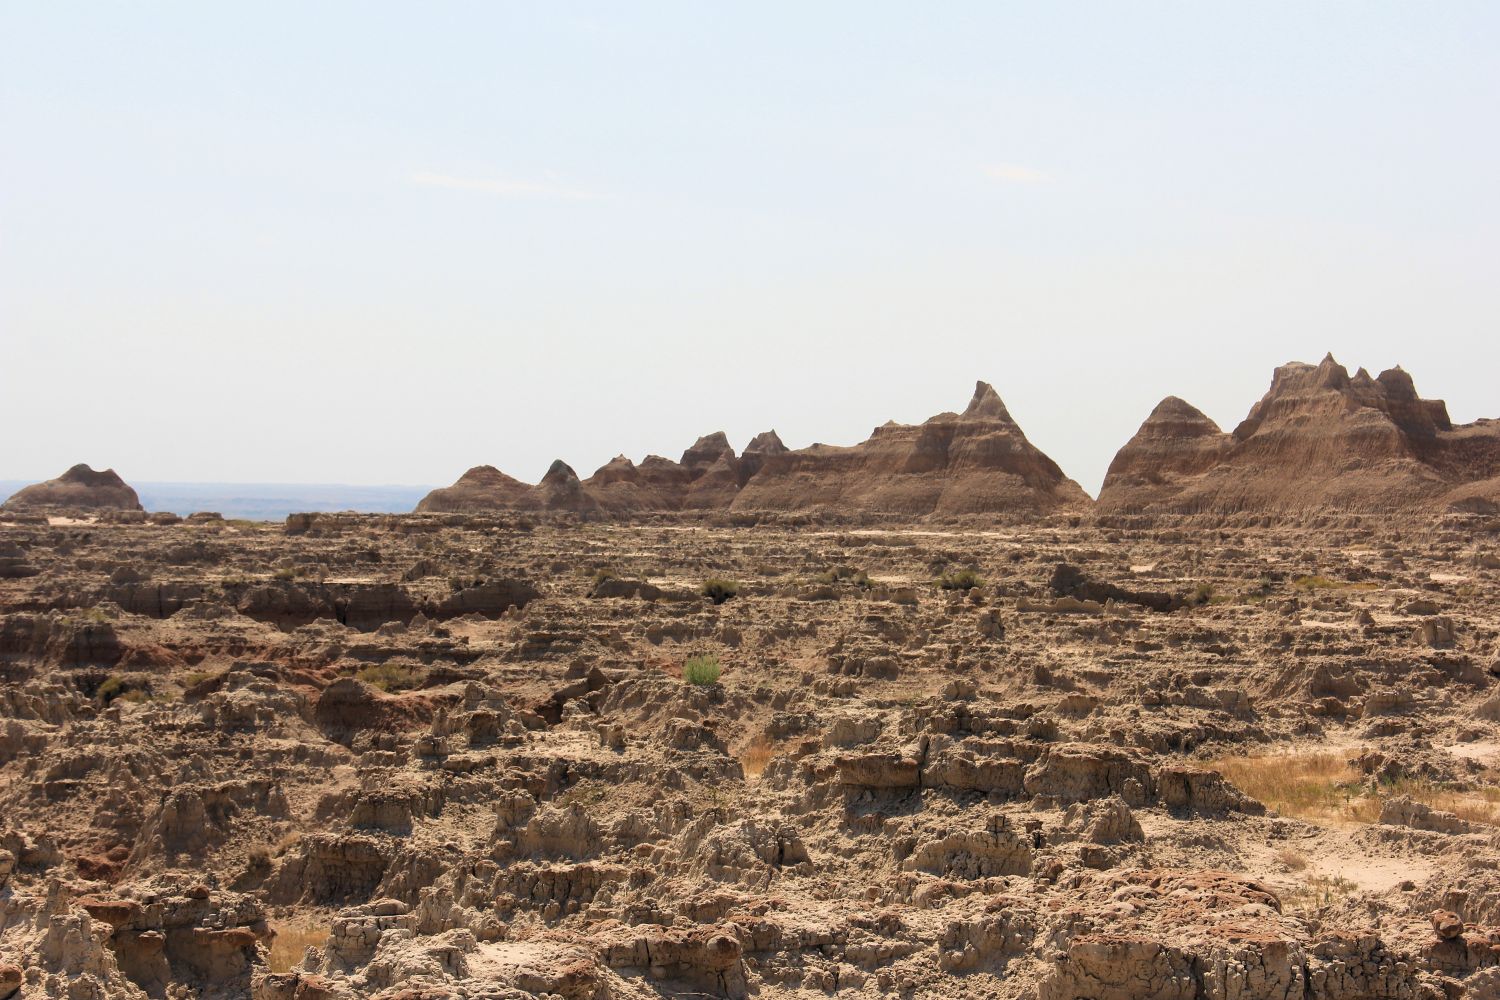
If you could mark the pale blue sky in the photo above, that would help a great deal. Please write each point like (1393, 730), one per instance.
(372, 243)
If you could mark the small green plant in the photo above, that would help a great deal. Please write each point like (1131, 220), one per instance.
(114, 686)
(701, 670)
(390, 677)
(964, 579)
(1202, 594)
(718, 589)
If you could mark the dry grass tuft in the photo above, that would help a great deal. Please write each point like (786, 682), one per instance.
(392, 677)
(1307, 786)
(1325, 787)
(1315, 892)
(291, 943)
(1294, 859)
(1308, 583)
(1480, 805)
(756, 756)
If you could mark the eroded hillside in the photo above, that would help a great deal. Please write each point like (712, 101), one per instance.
(458, 756)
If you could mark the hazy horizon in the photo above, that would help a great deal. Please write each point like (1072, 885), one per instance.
(145, 487)
(398, 242)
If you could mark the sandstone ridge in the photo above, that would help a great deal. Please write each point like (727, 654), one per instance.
(975, 462)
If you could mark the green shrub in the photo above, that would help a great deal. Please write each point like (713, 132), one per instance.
(701, 670)
(390, 677)
(1202, 594)
(964, 579)
(114, 686)
(719, 590)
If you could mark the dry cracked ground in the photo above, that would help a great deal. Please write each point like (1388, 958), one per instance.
(465, 756)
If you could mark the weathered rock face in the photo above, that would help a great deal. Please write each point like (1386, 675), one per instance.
(482, 488)
(1176, 443)
(761, 447)
(975, 462)
(362, 757)
(79, 488)
(1318, 440)
(562, 490)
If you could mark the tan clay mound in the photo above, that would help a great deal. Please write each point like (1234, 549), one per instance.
(80, 488)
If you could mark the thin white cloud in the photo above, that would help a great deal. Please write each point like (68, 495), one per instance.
(1014, 174)
(503, 187)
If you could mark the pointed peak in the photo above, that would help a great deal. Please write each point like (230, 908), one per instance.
(707, 450)
(986, 404)
(1179, 418)
(560, 472)
(1330, 374)
(1176, 406)
(620, 463)
(765, 443)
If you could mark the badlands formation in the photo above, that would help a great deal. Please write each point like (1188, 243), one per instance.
(974, 462)
(911, 718)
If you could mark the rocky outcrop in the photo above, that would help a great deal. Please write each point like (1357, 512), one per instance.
(80, 488)
(482, 488)
(1176, 443)
(1318, 440)
(974, 462)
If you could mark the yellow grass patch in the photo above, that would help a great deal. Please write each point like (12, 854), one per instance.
(1325, 787)
(756, 756)
(1308, 786)
(291, 943)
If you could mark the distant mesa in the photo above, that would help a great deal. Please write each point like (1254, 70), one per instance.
(974, 462)
(80, 488)
(1318, 440)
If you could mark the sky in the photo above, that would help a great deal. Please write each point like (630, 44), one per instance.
(373, 243)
